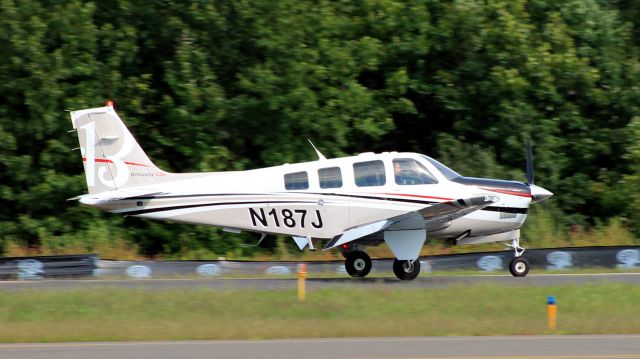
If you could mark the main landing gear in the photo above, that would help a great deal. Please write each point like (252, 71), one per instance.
(519, 266)
(406, 270)
(358, 265)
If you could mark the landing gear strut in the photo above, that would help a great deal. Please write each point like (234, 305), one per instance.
(406, 270)
(519, 266)
(357, 264)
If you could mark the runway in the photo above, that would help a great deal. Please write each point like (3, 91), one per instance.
(518, 347)
(431, 281)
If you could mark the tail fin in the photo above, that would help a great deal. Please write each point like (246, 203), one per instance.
(112, 158)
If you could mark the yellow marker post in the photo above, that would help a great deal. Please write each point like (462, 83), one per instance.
(552, 312)
(302, 274)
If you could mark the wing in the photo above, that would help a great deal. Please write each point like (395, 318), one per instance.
(455, 209)
(449, 210)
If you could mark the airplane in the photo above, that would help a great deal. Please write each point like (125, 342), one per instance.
(347, 203)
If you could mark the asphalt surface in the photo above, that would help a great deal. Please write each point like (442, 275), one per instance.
(518, 347)
(432, 281)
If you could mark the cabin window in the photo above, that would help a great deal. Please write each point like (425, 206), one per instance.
(330, 177)
(296, 180)
(408, 171)
(370, 173)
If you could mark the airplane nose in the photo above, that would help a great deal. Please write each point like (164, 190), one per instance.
(539, 194)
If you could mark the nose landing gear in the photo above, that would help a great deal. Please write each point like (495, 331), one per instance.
(519, 266)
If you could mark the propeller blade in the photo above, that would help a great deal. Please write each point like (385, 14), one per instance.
(529, 164)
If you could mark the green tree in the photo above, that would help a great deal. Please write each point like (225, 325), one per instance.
(232, 85)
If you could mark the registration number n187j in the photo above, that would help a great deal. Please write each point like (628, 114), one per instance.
(286, 217)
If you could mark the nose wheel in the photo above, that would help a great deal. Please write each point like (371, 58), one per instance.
(519, 267)
(406, 270)
(357, 264)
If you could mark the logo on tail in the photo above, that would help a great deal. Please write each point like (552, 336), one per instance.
(110, 152)
(89, 156)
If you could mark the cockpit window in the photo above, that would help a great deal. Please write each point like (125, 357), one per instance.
(447, 172)
(408, 171)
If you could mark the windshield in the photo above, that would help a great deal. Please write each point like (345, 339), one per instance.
(447, 172)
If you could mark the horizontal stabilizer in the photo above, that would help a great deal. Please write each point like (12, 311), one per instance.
(108, 196)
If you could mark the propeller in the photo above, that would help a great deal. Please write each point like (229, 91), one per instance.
(529, 164)
(538, 194)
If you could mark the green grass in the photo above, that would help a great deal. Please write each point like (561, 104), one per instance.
(135, 314)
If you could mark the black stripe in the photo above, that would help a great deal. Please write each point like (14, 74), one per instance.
(196, 195)
(506, 209)
(417, 201)
(163, 209)
(490, 208)
(377, 198)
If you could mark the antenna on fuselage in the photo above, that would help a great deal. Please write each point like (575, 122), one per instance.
(320, 155)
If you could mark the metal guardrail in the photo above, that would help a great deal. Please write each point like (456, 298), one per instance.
(627, 257)
(624, 257)
(26, 268)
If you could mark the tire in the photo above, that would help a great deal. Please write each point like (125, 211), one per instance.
(358, 264)
(519, 267)
(405, 270)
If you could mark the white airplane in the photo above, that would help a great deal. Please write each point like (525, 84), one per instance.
(347, 203)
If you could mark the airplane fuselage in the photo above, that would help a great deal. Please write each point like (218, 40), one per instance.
(221, 199)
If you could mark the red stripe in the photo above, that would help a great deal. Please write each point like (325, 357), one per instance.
(106, 160)
(416, 196)
(136, 164)
(512, 193)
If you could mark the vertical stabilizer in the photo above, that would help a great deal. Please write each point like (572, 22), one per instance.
(112, 158)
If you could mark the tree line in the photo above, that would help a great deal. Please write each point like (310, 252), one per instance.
(232, 85)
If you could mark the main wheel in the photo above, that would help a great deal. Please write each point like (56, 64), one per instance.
(519, 267)
(358, 264)
(406, 270)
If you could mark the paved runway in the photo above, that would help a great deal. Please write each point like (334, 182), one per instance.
(432, 281)
(518, 347)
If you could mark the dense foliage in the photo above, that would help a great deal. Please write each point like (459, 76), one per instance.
(239, 84)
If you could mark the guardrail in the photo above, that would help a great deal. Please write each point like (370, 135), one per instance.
(26, 268)
(624, 257)
(548, 258)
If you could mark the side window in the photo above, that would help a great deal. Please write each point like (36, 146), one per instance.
(370, 173)
(297, 180)
(408, 171)
(330, 177)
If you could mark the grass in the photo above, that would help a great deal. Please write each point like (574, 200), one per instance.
(134, 314)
